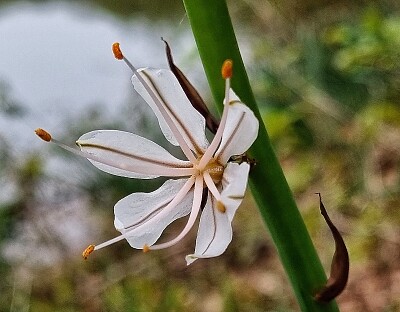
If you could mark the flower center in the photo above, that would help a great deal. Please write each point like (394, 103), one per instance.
(215, 169)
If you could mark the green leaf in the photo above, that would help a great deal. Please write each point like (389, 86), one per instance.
(216, 41)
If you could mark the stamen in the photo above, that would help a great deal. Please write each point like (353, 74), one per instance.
(110, 241)
(214, 191)
(175, 201)
(43, 134)
(117, 51)
(198, 192)
(181, 141)
(211, 186)
(88, 251)
(218, 136)
(164, 171)
(226, 69)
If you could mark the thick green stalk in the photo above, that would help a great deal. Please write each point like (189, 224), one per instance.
(216, 42)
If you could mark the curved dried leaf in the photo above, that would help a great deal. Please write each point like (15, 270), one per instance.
(340, 263)
(194, 97)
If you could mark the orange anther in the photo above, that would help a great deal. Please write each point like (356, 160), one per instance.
(221, 207)
(227, 69)
(146, 248)
(87, 251)
(43, 134)
(117, 51)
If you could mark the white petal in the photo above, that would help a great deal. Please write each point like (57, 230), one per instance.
(189, 121)
(133, 156)
(234, 183)
(215, 231)
(197, 199)
(144, 216)
(240, 131)
(214, 234)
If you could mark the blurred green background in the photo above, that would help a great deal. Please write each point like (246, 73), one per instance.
(326, 75)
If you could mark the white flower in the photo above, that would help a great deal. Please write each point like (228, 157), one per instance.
(142, 217)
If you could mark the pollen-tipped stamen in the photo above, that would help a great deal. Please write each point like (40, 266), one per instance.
(226, 74)
(227, 69)
(181, 141)
(89, 249)
(43, 134)
(117, 51)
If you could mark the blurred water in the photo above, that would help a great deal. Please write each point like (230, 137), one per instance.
(57, 60)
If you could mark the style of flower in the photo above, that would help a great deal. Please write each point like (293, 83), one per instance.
(206, 182)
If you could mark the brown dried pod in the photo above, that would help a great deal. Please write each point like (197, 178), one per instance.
(194, 97)
(340, 263)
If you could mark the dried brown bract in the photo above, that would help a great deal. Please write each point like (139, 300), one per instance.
(340, 263)
(194, 97)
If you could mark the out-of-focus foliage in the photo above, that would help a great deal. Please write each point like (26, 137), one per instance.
(327, 81)
(332, 107)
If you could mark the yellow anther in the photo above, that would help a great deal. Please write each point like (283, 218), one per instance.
(221, 206)
(43, 134)
(117, 51)
(226, 69)
(87, 251)
(146, 248)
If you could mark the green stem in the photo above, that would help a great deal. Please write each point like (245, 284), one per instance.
(216, 41)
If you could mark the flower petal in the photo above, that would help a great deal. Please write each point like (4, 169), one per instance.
(234, 183)
(133, 156)
(240, 131)
(215, 231)
(144, 216)
(214, 234)
(187, 119)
